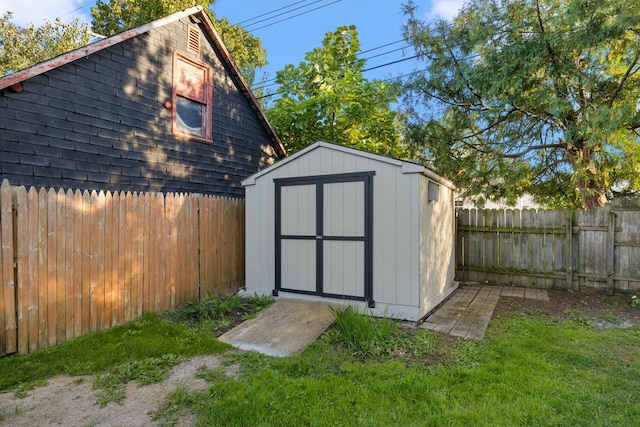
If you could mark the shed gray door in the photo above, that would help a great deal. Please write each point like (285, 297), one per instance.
(323, 235)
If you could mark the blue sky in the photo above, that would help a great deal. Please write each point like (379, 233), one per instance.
(378, 22)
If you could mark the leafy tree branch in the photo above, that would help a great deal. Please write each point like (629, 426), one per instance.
(537, 96)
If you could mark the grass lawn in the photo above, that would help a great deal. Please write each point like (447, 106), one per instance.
(528, 371)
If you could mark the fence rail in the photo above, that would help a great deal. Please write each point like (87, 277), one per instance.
(540, 248)
(77, 262)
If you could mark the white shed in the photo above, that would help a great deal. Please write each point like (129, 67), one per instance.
(344, 225)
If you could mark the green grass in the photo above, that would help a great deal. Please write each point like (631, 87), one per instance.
(148, 337)
(527, 372)
(111, 384)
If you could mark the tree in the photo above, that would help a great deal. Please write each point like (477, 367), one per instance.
(326, 98)
(537, 96)
(21, 47)
(119, 15)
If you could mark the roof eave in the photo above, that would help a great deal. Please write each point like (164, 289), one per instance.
(406, 167)
(84, 51)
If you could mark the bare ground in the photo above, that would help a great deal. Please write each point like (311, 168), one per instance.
(71, 401)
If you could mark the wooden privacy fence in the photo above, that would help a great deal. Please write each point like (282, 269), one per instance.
(78, 262)
(567, 249)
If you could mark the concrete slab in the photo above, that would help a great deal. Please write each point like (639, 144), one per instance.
(284, 328)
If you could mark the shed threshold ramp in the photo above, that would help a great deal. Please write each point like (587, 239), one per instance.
(284, 328)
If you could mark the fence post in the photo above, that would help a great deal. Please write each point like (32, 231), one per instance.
(610, 252)
(569, 250)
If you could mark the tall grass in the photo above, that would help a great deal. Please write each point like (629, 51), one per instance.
(362, 333)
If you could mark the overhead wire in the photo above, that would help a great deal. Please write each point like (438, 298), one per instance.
(85, 4)
(389, 63)
(270, 12)
(295, 16)
(385, 53)
(283, 13)
(381, 46)
(271, 82)
(359, 53)
(364, 70)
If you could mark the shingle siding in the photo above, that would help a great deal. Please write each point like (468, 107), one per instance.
(99, 123)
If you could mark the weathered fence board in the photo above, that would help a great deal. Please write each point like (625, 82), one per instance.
(80, 262)
(8, 325)
(540, 248)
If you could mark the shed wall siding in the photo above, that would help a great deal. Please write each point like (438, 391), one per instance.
(395, 224)
(437, 243)
(99, 123)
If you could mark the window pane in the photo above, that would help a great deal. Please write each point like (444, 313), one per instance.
(189, 116)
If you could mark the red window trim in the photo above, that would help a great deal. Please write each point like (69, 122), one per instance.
(208, 97)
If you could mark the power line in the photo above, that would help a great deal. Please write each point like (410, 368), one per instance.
(380, 47)
(270, 12)
(364, 70)
(295, 16)
(84, 5)
(370, 57)
(280, 14)
(389, 63)
(385, 53)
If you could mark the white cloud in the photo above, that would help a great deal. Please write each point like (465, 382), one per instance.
(37, 11)
(444, 9)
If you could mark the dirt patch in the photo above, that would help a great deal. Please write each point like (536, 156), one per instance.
(588, 305)
(71, 401)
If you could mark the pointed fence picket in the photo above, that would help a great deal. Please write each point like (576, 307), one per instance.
(77, 262)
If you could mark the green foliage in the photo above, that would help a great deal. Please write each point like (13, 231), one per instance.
(327, 98)
(531, 96)
(256, 303)
(147, 337)
(111, 385)
(115, 16)
(259, 302)
(22, 47)
(635, 301)
(210, 308)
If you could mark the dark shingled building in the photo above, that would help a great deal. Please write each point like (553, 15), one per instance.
(161, 107)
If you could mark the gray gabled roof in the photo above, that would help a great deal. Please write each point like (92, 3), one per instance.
(406, 167)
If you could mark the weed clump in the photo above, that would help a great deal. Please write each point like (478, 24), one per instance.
(210, 308)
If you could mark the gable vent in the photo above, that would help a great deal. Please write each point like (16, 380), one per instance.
(193, 43)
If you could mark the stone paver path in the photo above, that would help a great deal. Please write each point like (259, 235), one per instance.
(466, 314)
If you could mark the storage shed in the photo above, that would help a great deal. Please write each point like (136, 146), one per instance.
(348, 226)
